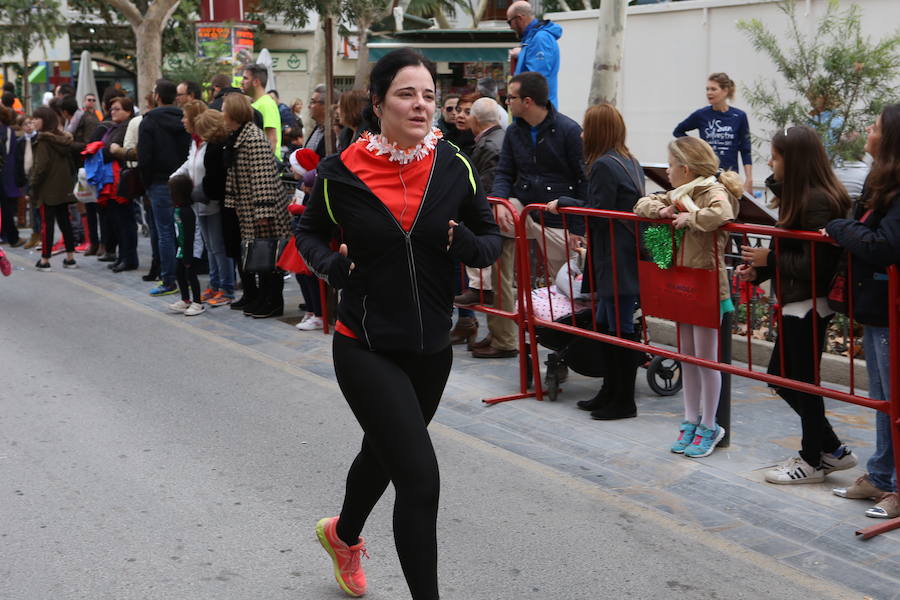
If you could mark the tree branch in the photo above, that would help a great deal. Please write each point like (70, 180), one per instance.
(128, 10)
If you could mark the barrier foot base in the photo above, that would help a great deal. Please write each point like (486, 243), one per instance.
(869, 532)
(500, 399)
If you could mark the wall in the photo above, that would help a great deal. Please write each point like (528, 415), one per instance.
(669, 51)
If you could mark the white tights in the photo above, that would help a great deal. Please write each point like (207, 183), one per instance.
(700, 386)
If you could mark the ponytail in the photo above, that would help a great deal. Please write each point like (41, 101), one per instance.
(732, 183)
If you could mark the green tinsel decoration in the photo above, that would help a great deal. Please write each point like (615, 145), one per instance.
(658, 242)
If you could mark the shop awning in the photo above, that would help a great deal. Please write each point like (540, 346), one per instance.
(450, 45)
(447, 52)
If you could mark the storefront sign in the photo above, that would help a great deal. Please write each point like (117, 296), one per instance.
(289, 60)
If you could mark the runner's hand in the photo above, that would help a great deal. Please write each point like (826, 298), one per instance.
(343, 250)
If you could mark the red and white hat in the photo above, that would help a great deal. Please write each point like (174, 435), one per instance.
(304, 160)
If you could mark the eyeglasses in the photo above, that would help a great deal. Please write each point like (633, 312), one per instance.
(510, 98)
(511, 19)
(317, 102)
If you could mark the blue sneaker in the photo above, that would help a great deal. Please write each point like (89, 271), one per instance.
(705, 440)
(685, 437)
(163, 290)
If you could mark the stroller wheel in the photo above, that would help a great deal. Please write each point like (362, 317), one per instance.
(664, 376)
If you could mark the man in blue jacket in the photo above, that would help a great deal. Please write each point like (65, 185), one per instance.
(539, 51)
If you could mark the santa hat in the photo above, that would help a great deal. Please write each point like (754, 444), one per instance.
(304, 160)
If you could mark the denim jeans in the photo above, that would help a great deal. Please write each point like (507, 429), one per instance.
(606, 313)
(164, 218)
(881, 464)
(221, 267)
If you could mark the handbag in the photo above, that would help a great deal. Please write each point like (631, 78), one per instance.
(839, 288)
(130, 184)
(260, 255)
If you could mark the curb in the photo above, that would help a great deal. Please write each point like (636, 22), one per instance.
(834, 369)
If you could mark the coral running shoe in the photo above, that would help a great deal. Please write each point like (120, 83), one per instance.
(347, 570)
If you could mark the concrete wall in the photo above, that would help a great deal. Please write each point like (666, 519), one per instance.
(671, 48)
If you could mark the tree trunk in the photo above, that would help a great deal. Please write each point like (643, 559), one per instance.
(478, 13)
(609, 52)
(149, 58)
(441, 18)
(329, 84)
(147, 29)
(361, 77)
(26, 83)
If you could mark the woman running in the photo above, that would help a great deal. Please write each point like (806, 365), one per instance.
(408, 206)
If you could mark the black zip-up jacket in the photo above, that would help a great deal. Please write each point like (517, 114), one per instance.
(794, 261)
(163, 144)
(399, 295)
(539, 173)
(873, 245)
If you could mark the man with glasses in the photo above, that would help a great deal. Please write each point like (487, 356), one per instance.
(187, 91)
(539, 50)
(541, 160)
(90, 106)
(316, 139)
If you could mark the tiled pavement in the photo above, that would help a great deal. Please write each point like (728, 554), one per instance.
(724, 494)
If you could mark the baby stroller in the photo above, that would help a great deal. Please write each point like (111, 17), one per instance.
(583, 355)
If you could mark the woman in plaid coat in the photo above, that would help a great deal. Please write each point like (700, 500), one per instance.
(254, 191)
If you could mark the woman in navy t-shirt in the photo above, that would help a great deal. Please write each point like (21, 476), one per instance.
(723, 127)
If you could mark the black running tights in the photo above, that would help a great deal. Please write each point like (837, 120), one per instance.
(394, 396)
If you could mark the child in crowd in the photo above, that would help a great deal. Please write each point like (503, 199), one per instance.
(808, 196)
(303, 165)
(703, 200)
(181, 187)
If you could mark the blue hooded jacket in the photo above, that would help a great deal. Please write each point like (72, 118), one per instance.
(540, 53)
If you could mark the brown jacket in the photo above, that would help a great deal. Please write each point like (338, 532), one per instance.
(717, 207)
(253, 189)
(52, 177)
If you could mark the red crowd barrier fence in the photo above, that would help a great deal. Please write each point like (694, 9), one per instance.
(660, 293)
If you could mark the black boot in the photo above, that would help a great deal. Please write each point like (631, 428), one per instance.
(601, 397)
(621, 401)
(153, 275)
(251, 292)
(271, 302)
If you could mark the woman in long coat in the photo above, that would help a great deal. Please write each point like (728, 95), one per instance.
(254, 191)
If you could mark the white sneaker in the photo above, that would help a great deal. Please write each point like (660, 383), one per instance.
(310, 324)
(830, 464)
(795, 470)
(194, 309)
(179, 306)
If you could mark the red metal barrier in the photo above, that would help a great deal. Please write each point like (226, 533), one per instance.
(518, 313)
(891, 406)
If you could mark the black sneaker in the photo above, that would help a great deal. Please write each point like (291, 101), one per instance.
(69, 264)
(43, 267)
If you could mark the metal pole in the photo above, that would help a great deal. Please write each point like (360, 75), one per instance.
(723, 413)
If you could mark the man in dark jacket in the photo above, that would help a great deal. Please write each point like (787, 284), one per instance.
(541, 160)
(163, 146)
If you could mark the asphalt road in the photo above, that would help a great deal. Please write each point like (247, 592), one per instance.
(142, 457)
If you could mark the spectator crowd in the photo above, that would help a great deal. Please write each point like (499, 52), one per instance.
(210, 171)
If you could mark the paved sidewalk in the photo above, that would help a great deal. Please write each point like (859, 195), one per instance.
(724, 495)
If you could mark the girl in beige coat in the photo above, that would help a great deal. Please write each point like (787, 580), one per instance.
(703, 200)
